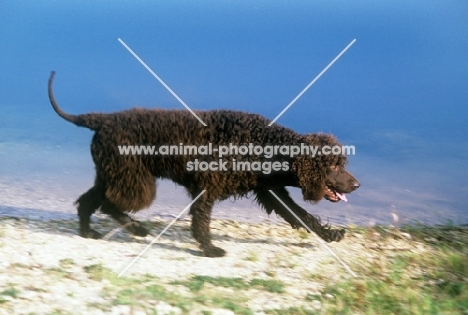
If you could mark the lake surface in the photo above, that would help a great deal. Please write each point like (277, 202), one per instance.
(398, 94)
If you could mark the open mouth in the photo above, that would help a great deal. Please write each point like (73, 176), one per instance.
(332, 195)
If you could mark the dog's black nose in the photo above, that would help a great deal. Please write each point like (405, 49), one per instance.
(356, 185)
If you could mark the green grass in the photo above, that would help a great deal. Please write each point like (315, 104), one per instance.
(95, 272)
(423, 274)
(139, 292)
(292, 311)
(231, 302)
(431, 282)
(196, 283)
(235, 301)
(274, 286)
(58, 273)
(66, 263)
(252, 256)
(137, 295)
(11, 292)
(427, 279)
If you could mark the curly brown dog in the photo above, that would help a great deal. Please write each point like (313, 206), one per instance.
(126, 182)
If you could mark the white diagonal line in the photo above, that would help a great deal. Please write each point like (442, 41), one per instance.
(163, 231)
(320, 240)
(313, 81)
(161, 81)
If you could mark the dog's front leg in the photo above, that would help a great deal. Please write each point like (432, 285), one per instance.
(270, 203)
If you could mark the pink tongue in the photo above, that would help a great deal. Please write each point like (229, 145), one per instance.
(341, 196)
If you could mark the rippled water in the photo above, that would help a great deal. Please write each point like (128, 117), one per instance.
(398, 94)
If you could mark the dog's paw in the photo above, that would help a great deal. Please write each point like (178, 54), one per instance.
(338, 235)
(334, 235)
(91, 234)
(137, 229)
(213, 251)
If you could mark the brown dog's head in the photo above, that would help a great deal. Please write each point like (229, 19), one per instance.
(323, 175)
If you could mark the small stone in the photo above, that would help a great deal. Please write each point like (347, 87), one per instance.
(162, 308)
(222, 312)
(243, 226)
(121, 310)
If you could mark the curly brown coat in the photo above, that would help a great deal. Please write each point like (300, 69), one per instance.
(126, 183)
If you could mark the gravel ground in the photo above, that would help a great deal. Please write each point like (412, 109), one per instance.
(46, 268)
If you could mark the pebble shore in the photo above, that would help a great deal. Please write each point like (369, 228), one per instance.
(45, 267)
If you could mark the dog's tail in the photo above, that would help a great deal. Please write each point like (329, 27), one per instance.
(91, 121)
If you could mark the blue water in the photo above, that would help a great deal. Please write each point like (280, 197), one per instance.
(399, 94)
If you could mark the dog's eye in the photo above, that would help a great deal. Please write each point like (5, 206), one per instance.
(334, 168)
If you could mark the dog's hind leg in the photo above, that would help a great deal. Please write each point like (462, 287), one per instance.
(201, 217)
(128, 223)
(87, 205)
(270, 204)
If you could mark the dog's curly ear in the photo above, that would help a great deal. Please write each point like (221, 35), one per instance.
(310, 177)
(311, 171)
(320, 140)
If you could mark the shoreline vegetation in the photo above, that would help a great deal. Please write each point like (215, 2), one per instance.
(46, 268)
